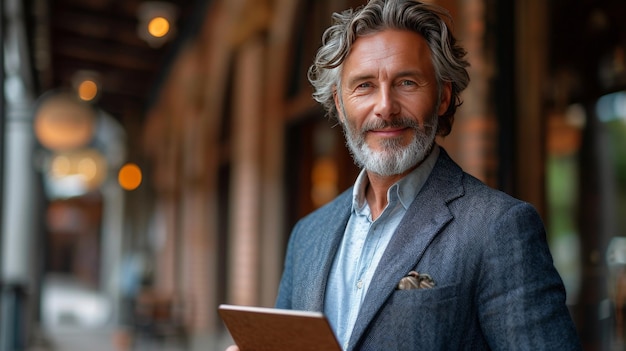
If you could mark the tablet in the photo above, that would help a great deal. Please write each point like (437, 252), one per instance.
(271, 329)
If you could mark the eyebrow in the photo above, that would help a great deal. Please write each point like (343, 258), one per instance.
(359, 78)
(413, 73)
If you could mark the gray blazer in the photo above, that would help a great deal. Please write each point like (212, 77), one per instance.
(496, 286)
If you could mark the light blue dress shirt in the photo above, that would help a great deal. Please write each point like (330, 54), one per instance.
(363, 244)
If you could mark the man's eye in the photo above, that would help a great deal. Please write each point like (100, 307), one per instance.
(407, 82)
(364, 85)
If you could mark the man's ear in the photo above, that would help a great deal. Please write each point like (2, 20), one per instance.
(446, 96)
(338, 107)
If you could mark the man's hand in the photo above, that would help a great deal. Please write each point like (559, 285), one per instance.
(232, 348)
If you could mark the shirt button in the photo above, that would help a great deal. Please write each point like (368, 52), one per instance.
(359, 284)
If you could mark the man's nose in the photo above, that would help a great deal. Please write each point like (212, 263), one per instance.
(387, 105)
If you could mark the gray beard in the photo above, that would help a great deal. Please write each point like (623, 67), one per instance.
(395, 158)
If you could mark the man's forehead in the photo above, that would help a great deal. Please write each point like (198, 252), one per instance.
(405, 50)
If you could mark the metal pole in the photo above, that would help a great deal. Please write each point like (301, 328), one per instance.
(2, 131)
(2, 119)
(5, 311)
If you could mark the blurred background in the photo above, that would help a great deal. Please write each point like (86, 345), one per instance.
(155, 154)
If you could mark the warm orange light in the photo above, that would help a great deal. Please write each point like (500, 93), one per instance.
(324, 179)
(87, 90)
(60, 166)
(64, 122)
(129, 176)
(158, 27)
(86, 166)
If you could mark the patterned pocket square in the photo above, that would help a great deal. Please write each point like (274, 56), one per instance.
(416, 280)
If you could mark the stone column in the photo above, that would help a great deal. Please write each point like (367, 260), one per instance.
(20, 214)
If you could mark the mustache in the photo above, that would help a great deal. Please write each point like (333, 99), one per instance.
(401, 122)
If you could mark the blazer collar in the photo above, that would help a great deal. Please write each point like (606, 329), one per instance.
(423, 221)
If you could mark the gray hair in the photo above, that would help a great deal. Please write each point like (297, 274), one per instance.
(428, 20)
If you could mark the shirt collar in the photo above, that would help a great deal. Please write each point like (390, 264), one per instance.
(405, 189)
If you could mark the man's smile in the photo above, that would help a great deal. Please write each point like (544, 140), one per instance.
(390, 132)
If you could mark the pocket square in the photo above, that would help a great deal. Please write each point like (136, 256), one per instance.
(416, 280)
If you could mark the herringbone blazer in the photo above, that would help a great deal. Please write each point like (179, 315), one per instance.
(496, 287)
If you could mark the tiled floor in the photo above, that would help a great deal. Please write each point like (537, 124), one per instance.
(84, 339)
(111, 339)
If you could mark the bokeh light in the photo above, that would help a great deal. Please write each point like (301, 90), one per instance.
(88, 168)
(158, 27)
(60, 166)
(76, 172)
(87, 90)
(64, 122)
(129, 176)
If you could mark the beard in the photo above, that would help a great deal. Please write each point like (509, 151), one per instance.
(394, 158)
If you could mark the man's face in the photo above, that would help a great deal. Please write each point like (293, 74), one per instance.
(388, 102)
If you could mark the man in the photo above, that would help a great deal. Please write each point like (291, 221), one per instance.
(418, 255)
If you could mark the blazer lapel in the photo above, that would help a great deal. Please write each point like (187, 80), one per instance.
(424, 219)
(323, 250)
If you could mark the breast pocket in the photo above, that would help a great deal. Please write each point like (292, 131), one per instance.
(424, 317)
(437, 298)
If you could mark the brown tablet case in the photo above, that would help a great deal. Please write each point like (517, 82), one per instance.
(271, 329)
